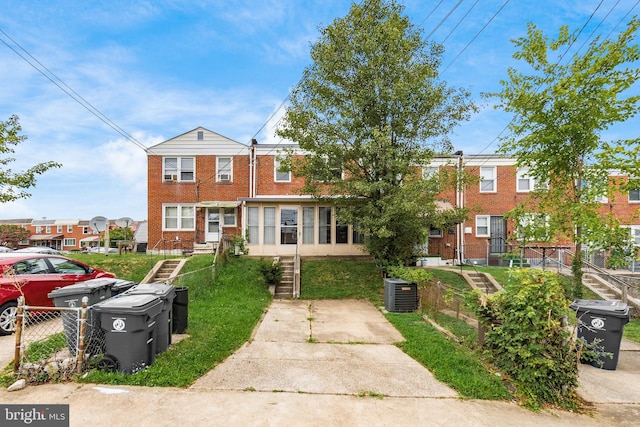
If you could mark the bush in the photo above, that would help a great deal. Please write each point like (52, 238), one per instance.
(271, 271)
(529, 339)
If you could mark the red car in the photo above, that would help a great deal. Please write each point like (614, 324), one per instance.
(36, 275)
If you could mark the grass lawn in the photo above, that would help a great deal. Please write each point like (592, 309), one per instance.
(632, 330)
(126, 266)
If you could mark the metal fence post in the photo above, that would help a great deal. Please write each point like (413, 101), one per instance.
(18, 353)
(81, 333)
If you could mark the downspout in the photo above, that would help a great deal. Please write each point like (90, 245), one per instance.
(460, 204)
(252, 168)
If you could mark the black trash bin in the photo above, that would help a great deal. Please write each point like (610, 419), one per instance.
(121, 285)
(129, 323)
(166, 293)
(96, 290)
(180, 310)
(602, 323)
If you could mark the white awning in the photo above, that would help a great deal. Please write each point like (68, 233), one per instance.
(91, 239)
(46, 237)
(217, 204)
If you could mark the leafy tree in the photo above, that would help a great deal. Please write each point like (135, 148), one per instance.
(367, 111)
(560, 113)
(14, 185)
(122, 233)
(10, 235)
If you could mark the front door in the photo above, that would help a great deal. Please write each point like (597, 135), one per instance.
(212, 225)
(498, 228)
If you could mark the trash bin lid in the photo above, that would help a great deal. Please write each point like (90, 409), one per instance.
(613, 308)
(130, 304)
(122, 284)
(83, 288)
(161, 290)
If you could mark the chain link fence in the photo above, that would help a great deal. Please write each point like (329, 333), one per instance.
(54, 344)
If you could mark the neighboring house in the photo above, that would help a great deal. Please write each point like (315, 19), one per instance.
(60, 234)
(499, 187)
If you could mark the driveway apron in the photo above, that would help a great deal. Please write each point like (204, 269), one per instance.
(324, 347)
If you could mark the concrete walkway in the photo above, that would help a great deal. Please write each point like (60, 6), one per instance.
(319, 363)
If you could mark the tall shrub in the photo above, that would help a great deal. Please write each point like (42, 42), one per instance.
(529, 339)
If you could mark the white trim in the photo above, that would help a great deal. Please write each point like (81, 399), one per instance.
(488, 225)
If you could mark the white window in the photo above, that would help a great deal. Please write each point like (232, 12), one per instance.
(488, 179)
(200, 135)
(85, 230)
(342, 229)
(69, 228)
(178, 169)
(224, 169)
(280, 176)
(435, 232)
(38, 229)
(178, 217)
(635, 234)
(429, 172)
(308, 225)
(324, 225)
(229, 217)
(48, 229)
(533, 226)
(69, 242)
(253, 224)
(269, 226)
(634, 196)
(59, 229)
(482, 226)
(524, 182)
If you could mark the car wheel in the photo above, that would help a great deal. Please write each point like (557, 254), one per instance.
(8, 318)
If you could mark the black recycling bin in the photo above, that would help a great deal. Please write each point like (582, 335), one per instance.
(121, 285)
(96, 290)
(129, 323)
(180, 310)
(601, 323)
(166, 293)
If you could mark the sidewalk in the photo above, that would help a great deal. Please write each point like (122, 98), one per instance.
(319, 363)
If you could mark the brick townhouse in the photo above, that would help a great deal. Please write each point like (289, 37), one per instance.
(202, 184)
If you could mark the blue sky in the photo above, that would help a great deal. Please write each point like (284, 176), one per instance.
(157, 69)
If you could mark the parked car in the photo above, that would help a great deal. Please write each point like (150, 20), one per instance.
(101, 250)
(39, 250)
(36, 275)
(4, 249)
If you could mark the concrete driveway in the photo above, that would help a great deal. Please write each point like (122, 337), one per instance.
(324, 347)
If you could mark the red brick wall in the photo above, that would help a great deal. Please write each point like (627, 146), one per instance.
(205, 188)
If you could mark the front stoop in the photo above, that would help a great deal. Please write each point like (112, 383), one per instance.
(285, 288)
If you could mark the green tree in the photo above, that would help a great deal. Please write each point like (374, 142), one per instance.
(560, 111)
(120, 234)
(10, 235)
(15, 185)
(368, 111)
